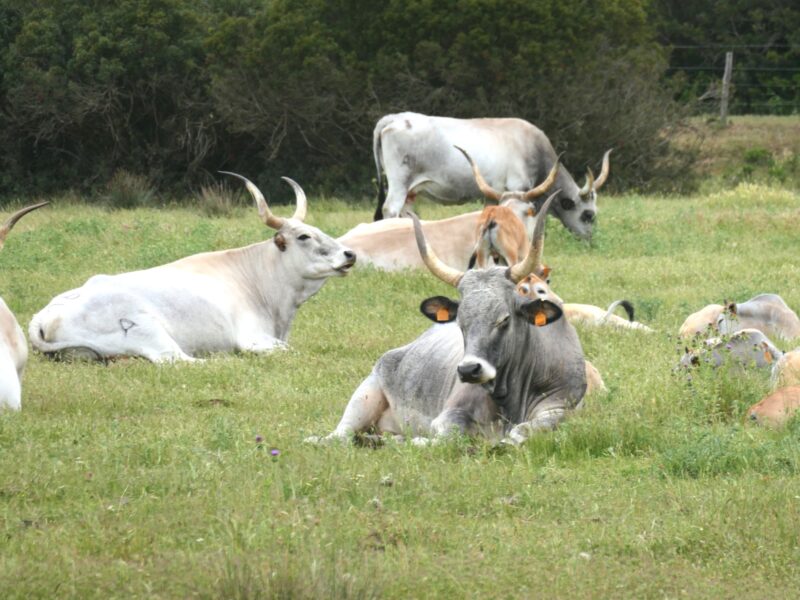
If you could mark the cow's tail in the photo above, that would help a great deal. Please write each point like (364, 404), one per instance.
(624, 304)
(376, 152)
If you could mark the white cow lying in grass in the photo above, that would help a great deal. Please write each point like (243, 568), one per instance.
(13, 347)
(240, 299)
(766, 312)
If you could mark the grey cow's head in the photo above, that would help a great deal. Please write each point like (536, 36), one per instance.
(491, 315)
(576, 207)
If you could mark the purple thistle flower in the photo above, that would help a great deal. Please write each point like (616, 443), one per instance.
(259, 439)
(275, 452)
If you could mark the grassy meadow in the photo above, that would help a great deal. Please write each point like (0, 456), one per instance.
(135, 480)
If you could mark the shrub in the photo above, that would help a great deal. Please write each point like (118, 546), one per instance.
(128, 190)
(217, 200)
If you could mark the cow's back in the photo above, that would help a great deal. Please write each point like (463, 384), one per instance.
(770, 314)
(418, 150)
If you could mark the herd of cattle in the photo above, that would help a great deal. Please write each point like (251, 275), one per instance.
(503, 361)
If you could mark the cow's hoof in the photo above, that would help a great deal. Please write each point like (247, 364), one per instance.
(512, 440)
(421, 441)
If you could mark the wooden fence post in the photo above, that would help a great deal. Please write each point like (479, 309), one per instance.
(726, 88)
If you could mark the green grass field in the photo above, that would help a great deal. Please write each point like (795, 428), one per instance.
(136, 480)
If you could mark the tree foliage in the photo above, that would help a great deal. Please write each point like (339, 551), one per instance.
(174, 90)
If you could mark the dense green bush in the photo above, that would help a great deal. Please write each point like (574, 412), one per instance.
(177, 90)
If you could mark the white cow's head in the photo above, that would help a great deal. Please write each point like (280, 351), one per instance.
(308, 251)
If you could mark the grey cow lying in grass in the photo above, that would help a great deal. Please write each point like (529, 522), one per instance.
(495, 363)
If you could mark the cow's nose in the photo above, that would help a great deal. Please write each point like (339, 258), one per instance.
(350, 255)
(469, 371)
(587, 216)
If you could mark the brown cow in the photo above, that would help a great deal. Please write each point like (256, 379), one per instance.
(777, 408)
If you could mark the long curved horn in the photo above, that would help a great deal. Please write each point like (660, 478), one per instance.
(12, 220)
(545, 185)
(532, 261)
(589, 185)
(300, 197)
(603, 171)
(484, 187)
(433, 262)
(264, 212)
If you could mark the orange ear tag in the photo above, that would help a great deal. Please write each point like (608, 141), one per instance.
(442, 314)
(531, 212)
(768, 357)
(540, 319)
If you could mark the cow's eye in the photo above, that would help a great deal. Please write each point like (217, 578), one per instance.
(502, 322)
(303, 237)
(525, 289)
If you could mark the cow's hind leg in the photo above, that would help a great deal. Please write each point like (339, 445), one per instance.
(148, 338)
(365, 409)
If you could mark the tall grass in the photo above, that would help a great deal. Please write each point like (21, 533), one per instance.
(149, 481)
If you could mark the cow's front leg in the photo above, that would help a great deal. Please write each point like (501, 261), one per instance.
(545, 421)
(452, 421)
(469, 409)
(546, 417)
(366, 408)
(263, 345)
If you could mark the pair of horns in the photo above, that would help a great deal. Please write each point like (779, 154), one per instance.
(493, 194)
(526, 266)
(591, 182)
(12, 220)
(264, 212)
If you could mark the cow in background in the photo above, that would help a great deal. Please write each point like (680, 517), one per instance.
(390, 245)
(13, 346)
(416, 154)
(746, 347)
(766, 312)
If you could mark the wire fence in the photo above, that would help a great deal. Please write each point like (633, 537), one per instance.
(755, 86)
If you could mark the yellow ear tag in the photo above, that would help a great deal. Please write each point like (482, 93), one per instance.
(442, 314)
(540, 319)
(768, 356)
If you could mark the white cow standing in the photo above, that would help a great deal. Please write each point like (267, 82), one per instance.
(230, 300)
(13, 347)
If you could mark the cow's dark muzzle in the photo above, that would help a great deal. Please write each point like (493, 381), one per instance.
(470, 372)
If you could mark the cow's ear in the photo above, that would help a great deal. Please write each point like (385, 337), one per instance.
(541, 312)
(439, 309)
(731, 308)
(280, 241)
